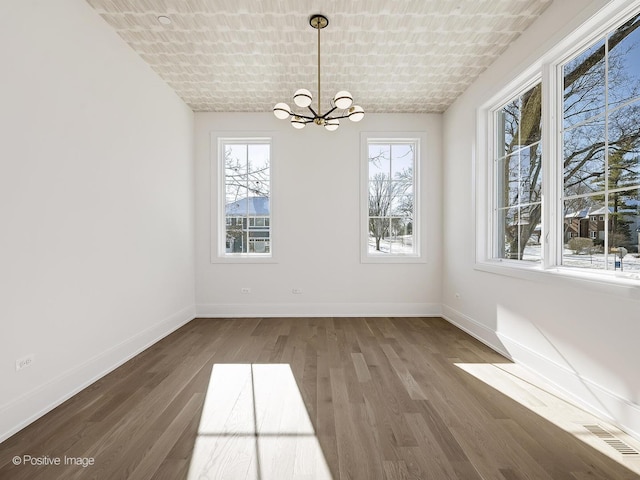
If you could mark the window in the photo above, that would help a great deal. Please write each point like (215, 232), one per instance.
(568, 132)
(518, 177)
(601, 145)
(390, 219)
(245, 167)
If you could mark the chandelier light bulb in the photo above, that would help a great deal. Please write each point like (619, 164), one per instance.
(297, 122)
(281, 110)
(356, 113)
(302, 97)
(332, 124)
(343, 100)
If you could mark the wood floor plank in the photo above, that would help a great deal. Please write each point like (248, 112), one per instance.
(323, 399)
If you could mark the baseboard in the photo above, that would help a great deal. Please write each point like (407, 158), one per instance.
(30, 406)
(585, 393)
(476, 329)
(319, 310)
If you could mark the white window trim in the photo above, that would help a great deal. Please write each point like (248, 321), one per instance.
(419, 184)
(217, 201)
(548, 69)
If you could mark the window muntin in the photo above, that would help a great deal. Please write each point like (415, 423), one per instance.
(246, 205)
(517, 172)
(601, 152)
(391, 197)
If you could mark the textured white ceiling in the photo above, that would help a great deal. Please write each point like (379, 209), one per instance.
(392, 55)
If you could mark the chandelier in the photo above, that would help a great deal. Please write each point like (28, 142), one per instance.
(341, 105)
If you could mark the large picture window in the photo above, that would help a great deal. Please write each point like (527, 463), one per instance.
(601, 152)
(561, 185)
(246, 187)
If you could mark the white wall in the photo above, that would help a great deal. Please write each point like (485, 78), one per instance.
(96, 204)
(316, 197)
(585, 340)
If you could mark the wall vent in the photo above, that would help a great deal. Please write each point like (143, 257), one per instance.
(611, 440)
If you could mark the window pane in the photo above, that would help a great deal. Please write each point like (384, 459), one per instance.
(402, 162)
(624, 208)
(530, 174)
(508, 122)
(258, 242)
(530, 232)
(584, 232)
(379, 161)
(624, 146)
(624, 54)
(508, 241)
(258, 172)
(507, 177)
(378, 235)
(235, 162)
(530, 114)
(520, 232)
(584, 161)
(379, 196)
(584, 85)
(236, 201)
(624, 228)
(402, 205)
(400, 236)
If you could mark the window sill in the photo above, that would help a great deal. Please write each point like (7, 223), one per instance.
(243, 258)
(616, 284)
(392, 259)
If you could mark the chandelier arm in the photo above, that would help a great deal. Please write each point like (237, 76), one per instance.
(315, 115)
(334, 118)
(306, 117)
(325, 116)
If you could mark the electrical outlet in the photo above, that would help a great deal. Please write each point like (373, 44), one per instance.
(24, 362)
(297, 291)
(245, 290)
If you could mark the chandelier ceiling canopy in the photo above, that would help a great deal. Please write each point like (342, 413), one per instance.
(341, 104)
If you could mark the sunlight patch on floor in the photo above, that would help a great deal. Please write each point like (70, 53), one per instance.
(255, 426)
(532, 392)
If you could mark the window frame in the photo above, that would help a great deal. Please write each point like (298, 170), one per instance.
(419, 182)
(547, 69)
(218, 198)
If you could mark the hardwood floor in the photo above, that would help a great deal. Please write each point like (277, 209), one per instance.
(340, 398)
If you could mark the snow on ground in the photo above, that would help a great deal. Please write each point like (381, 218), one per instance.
(629, 263)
